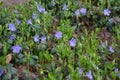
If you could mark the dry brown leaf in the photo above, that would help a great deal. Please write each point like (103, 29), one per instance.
(55, 23)
(49, 44)
(8, 58)
(13, 2)
(117, 19)
(80, 2)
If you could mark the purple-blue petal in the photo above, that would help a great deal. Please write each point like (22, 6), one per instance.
(116, 70)
(103, 44)
(83, 11)
(58, 35)
(36, 38)
(29, 22)
(107, 12)
(111, 20)
(18, 21)
(111, 49)
(34, 16)
(16, 49)
(41, 9)
(89, 75)
(43, 38)
(72, 42)
(12, 37)
(1, 72)
(65, 7)
(80, 70)
(77, 12)
(12, 27)
(16, 11)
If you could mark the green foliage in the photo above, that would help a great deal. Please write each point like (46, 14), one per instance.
(56, 59)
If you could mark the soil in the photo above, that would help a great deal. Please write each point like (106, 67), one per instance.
(13, 2)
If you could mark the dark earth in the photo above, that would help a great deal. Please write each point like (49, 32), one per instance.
(13, 2)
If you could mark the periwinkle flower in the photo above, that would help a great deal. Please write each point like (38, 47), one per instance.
(117, 72)
(85, 54)
(103, 44)
(80, 70)
(43, 38)
(77, 12)
(83, 11)
(41, 9)
(72, 42)
(18, 21)
(107, 12)
(58, 35)
(111, 20)
(97, 68)
(12, 37)
(89, 75)
(16, 11)
(16, 49)
(34, 16)
(29, 22)
(36, 38)
(111, 49)
(1, 72)
(12, 27)
(65, 7)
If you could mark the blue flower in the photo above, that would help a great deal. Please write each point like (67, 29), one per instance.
(117, 72)
(107, 12)
(97, 68)
(41, 9)
(16, 49)
(103, 44)
(118, 75)
(29, 22)
(16, 11)
(111, 20)
(111, 49)
(65, 7)
(80, 70)
(36, 38)
(1, 72)
(83, 11)
(58, 35)
(43, 38)
(72, 42)
(77, 12)
(12, 27)
(89, 75)
(18, 21)
(12, 37)
(34, 16)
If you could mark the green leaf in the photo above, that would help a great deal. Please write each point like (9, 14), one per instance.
(7, 76)
(12, 70)
(35, 57)
(32, 62)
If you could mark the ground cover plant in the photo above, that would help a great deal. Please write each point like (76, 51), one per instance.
(60, 40)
